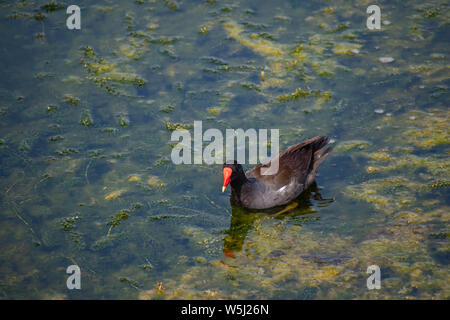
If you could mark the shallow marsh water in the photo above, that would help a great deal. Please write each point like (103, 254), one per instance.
(86, 177)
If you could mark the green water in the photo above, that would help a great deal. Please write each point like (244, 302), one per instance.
(87, 179)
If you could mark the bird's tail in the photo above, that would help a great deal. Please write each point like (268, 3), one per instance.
(320, 152)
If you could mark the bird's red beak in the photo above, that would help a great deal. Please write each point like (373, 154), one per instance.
(226, 177)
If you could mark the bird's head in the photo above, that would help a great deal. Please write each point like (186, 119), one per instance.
(231, 170)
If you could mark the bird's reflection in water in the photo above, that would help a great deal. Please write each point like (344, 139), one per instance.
(242, 219)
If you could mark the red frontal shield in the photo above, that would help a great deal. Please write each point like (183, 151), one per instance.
(226, 177)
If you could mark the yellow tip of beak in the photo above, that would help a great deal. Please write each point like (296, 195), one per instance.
(223, 189)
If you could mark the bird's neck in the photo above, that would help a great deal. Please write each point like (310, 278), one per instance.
(238, 182)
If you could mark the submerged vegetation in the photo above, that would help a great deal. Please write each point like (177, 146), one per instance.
(86, 118)
(107, 75)
(303, 93)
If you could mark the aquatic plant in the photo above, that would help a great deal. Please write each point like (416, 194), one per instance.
(107, 74)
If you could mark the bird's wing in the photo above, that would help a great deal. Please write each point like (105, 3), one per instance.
(294, 164)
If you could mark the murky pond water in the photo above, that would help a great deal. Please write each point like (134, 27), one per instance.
(87, 178)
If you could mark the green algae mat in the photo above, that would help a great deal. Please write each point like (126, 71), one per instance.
(86, 177)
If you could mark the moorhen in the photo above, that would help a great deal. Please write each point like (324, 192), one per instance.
(297, 168)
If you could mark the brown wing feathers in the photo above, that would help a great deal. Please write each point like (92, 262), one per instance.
(297, 161)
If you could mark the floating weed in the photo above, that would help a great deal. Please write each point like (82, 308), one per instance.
(303, 94)
(215, 111)
(167, 109)
(52, 6)
(204, 29)
(88, 52)
(52, 108)
(147, 266)
(110, 130)
(106, 241)
(176, 126)
(124, 121)
(250, 86)
(282, 18)
(437, 184)
(39, 16)
(168, 52)
(115, 194)
(352, 144)
(86, 119)
(287, 63)
(273, 257)
(261, 46)
(172, 5)
(129, 51)
(161, 162)
(71, 100)
(95, 153)
(215, 61)
(108, 75)
(67, 151)
(43, 75)
(121, 216)
(345, 48)
(381, 155)
(55, 138)
(387, 195)
(154, 182)
(427, 172)
(134, 178)
(435, 166)
(328, 10)
(19, 15)
(118, 218)
(133, 283)
(68, 223)
(428, 129)
(349, 36)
